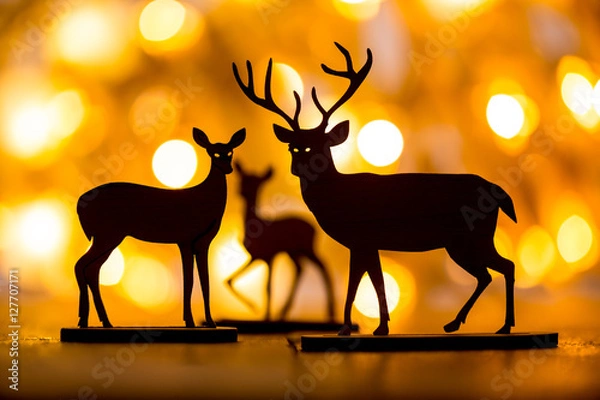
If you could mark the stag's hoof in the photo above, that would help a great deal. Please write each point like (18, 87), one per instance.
(190, 324)
(452, 326)
(83, 323)
(209, 324)
(504, 330)
(382, 330)
(345, 331)
(106, 324)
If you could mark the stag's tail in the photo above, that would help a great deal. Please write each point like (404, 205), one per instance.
(506, 204)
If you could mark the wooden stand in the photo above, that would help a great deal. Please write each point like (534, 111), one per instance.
(246, 326)
(148, 335)
(513, 341)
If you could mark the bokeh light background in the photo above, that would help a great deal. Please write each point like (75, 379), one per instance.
(100, 91)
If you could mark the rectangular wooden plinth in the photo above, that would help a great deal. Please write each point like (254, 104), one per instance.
(245, 326)
(149, 335)
(450, 342)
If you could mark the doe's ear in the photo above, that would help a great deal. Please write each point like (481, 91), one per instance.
(238, 167)
(237, 138)
(200, 138)
(339, 133)
(284, 135)
(268, 174)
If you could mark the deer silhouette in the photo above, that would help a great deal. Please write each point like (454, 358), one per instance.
(188, 217)
(403, 212)
(265, 238)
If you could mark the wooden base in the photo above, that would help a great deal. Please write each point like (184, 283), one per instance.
(484, 341)
(281, 326)
(148, 335)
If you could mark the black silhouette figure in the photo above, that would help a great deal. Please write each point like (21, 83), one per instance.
(403, 212)
(264, 239)
(188, 217)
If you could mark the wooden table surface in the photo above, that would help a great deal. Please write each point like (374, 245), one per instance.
(272, 367)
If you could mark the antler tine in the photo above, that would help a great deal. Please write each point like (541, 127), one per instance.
(356, 79)
(267, 102)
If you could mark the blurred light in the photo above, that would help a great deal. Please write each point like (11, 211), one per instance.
(366, 298)
(149, 283)
(358, 10)
(380, 142)
(537, 253)
(41, 229)
(29, 131)
(90, 36)
(503, 243)
(577, 92)
(574, 239)
(596, 98)
(112, 269)
(287, 80)
(66, 112)
(155, 112)
(505, 115)
(161, 19)
(449, 9)
(174, 163)
(553, 33)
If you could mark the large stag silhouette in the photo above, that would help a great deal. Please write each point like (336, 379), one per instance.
(265, 238)
(188, 217)
(402, 212)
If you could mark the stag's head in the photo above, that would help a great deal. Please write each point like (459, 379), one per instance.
(310, 147)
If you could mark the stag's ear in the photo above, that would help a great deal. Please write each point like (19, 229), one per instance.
(284, 135)
(201, 138)
(268, 174)
(339, 133)
(238, 138)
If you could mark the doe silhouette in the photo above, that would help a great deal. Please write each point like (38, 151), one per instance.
(188, 217)
(403, 212)
(265, 238)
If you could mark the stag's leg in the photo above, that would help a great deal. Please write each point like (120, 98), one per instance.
(237, 294)
(471, 264)
(297, 272)
(202, 263)
(506, 268)
(376, 275)
(358, 266)
(187, 262)
(87, 270)
(328, 285)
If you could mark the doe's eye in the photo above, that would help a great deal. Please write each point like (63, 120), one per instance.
(217, 155)
(307, 149)
(230, 154)
(295, 150)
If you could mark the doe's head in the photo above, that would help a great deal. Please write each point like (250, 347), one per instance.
(220, 154)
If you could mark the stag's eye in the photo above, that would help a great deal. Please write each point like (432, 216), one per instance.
(230, 154)
(217, 155)
(295, 150)
(307, 149)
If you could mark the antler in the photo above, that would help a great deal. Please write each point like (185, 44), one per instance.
(267, 102)
(356, 79)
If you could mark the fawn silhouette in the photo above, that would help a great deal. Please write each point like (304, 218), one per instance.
(265, 238)
(403, 212)
(188, 217)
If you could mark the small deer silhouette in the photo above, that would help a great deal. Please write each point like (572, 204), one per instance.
(265, 238)
(402, 212)
(188, 217)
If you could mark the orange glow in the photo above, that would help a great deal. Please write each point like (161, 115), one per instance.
(149, 284)
(537, 255)
(358, 10)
